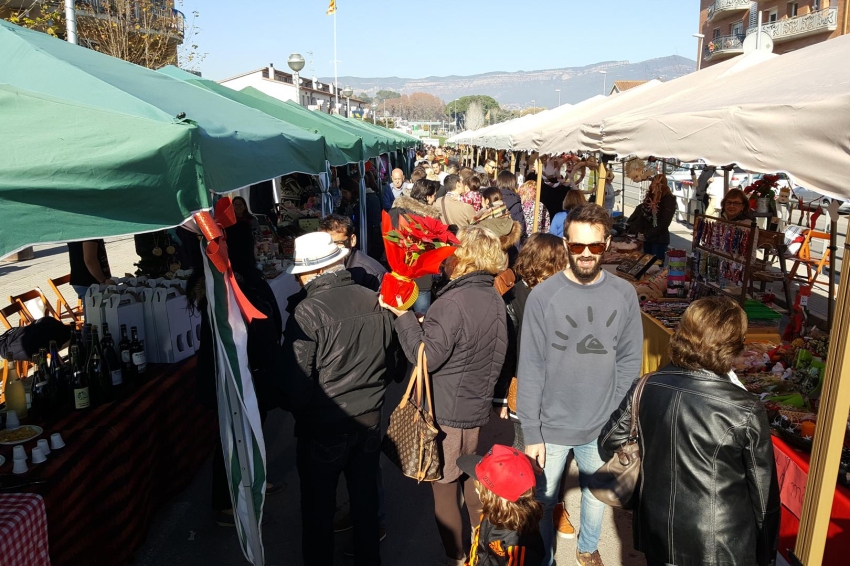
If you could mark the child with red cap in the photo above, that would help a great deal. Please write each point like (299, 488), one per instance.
(509, 534)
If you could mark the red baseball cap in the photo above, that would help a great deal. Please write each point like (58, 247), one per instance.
(505, 471)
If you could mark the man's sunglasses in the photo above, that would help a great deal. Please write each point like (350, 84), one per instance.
(595, 248)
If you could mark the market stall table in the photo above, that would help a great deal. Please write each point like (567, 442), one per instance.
(792, 468)
(121, 462)
(23, 530)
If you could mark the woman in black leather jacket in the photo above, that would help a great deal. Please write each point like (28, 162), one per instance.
(708, 492)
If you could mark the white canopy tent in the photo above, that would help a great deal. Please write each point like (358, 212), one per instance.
(500, 138)
(788, 113)
(530, 136)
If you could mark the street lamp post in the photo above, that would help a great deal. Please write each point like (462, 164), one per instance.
(700, 37)
(296, 63)
(531, 110)
(347, 92)
(559, 95)
(604, 81)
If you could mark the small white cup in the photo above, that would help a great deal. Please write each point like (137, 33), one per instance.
(12, 421)
(56, 441)
(19, 467)
(38, 456)
(45, 447)
(19, 452)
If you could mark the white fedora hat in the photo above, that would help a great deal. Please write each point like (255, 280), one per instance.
(314, 251)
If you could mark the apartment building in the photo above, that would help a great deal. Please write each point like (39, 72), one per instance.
(791, 25)
(314, 94)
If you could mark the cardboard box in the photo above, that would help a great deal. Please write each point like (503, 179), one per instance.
(173, 325)
(152, 351)
(124, 309)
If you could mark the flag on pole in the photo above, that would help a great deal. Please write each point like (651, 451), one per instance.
(331, 8)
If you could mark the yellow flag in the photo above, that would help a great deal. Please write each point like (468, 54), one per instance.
(331, 8)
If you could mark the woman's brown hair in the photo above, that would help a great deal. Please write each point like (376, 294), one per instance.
(710, 336)
(542, 256)
(572, 199)
(521, 517)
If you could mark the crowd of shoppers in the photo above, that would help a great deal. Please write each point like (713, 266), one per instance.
(564, 341)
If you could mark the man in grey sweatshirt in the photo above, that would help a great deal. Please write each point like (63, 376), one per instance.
(581, 350)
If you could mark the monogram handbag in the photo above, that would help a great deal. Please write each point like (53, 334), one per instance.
(615, 482)
(411, 439)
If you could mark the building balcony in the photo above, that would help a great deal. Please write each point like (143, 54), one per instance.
(822, 21)
(723, 47)
(723, 8)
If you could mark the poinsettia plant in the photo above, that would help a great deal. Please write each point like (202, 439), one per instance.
(415, 248)
(764, 187)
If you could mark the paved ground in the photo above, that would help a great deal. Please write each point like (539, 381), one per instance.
(184, 533)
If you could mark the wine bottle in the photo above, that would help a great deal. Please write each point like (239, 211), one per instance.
(137, 353)
(98, 394)
(79, 381)
(126, 357)
(38, 400)
(60, 376)
(86, 349)
(111, 362)
(15, 396)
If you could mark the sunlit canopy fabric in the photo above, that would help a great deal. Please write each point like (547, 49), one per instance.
(71, 171)
(239, 145)
(788, 113)
(341, 147)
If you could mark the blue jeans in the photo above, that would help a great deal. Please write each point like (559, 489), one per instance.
(81, 290)
(592, 510)
(658, 250)
(423, 302)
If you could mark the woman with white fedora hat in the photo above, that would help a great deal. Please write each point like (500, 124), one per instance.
(337, 348)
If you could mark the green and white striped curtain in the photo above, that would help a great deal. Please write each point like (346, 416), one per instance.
(238, 413)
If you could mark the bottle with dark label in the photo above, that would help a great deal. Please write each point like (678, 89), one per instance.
(110, 359)
(38, 401)
(98, 393)
(54, 386)
(79, 381)
(85, 351)
(126, 356)
(137, 354)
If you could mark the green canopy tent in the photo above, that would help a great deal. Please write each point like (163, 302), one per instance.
(341, 146)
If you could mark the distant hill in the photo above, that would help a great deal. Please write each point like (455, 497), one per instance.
(518, 89)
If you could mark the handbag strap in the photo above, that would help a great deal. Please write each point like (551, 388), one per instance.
(636, 396)
(415, 377)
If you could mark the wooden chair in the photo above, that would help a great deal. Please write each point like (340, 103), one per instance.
(34, 294)
(804, 257)
(9, 311)
(63, 308)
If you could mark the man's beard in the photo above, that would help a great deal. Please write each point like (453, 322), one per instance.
(585, 274)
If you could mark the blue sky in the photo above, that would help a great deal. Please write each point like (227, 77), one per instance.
(377, 38)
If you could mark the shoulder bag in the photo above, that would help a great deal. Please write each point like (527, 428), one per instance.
(411, 439)
(505, 281)
(615, 482)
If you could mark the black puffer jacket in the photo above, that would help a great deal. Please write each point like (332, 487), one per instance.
(465, 334)
(338, 344)
(708, 490)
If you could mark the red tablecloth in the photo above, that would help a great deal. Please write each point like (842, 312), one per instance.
(121, 462)
(23, 530)
(792, 467)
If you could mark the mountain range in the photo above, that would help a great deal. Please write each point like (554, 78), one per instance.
(521, 89)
